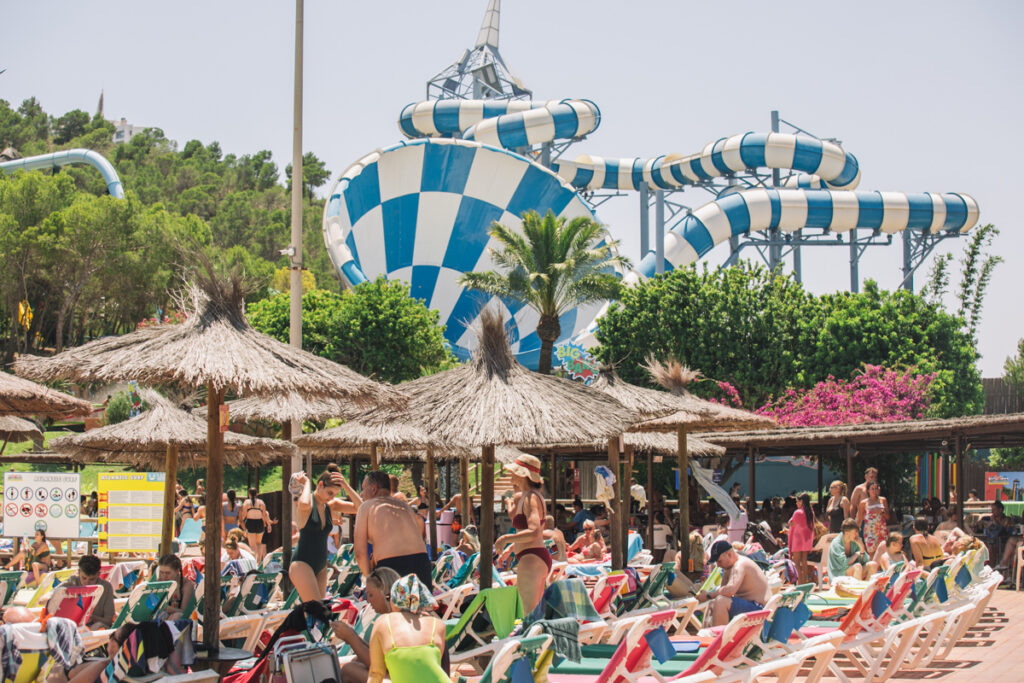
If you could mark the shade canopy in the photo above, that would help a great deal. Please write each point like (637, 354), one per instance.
(393, 439)
(696, 413)
(286, 407)
(646, 403)
(142, 441)
(19, 397)
(493, 400)
(15, 429)
(216, 347)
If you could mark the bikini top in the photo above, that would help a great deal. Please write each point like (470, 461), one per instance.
(521, 522)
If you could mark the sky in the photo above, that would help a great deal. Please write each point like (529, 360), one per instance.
(927, 95)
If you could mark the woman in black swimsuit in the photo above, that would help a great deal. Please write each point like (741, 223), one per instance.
(838, 507)
(528, 541)
(315, 519)
(257, 522)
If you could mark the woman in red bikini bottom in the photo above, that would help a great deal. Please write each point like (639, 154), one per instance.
(527, 512)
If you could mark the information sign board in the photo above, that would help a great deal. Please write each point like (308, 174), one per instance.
(131, 506)
(42, 500)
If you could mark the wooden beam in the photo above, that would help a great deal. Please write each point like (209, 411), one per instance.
(650, 500)
(286, 512)
(486, 516)
(752, 475)
(214, 489)
(821, 483)
(849, 466)
(353, 481)
(614, 535)
(961, 478)
(374, 459)
(625, 504)
(431, 503)
(554, 483)
(170, 485)
(467, 500)
(684, 496)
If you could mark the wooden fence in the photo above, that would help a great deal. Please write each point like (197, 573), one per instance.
(1001, 398)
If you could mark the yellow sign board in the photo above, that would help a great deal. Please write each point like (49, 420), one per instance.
(131, 506)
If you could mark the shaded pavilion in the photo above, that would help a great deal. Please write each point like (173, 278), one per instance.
(169, 439)
(16, 429)
(494, 401)
(697, 415)
(215, 347)
(20, 397)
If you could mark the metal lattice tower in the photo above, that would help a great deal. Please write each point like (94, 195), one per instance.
(480, 73)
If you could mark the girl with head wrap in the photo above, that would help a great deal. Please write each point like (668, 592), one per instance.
(408, 643)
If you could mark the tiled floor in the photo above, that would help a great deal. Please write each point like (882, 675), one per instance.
(992, 652)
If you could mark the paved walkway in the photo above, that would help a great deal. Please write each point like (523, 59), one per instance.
(992, 651)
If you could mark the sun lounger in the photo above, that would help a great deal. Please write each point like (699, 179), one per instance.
(10, 582)
(531, 652)
(76, 603)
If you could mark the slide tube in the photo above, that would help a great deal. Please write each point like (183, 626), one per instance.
(70, 156)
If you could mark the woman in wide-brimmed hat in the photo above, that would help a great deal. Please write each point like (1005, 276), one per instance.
(527, 511)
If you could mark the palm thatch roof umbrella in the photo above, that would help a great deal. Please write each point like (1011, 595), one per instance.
(494, 401)
(20, 397)
(166, 438)
(216, 347)
(697, 415)
(16, 429)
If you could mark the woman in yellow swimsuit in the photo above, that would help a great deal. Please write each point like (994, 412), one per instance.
(409, 647)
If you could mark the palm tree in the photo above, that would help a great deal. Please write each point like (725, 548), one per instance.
(552, 266)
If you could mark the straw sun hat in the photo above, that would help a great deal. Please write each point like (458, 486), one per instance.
(526, 466)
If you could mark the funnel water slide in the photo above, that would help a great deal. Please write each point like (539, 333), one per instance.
(420, 211)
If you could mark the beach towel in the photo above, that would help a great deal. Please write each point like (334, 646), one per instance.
(565, 636)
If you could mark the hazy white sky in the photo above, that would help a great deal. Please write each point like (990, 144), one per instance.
(927, 95)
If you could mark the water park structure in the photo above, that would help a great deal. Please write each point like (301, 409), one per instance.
(479, 149)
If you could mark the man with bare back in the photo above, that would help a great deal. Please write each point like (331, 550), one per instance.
(388, 532)
(744, 586)
(861, 491)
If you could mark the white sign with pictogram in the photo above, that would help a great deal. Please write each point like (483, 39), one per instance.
(41, 500)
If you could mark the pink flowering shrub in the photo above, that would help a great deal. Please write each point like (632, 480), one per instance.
(175, 318)
(876, 394)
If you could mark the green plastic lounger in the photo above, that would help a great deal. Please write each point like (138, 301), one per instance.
(145, 602)
(532, 654)
(9, 583)
(503, 607)
(253, 594)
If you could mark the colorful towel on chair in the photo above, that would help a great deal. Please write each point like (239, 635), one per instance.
(565, 636)
(61, 641)
(146, 647)
(562, 599)
(125, 575)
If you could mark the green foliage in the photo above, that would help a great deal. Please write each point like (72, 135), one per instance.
(552, 266)
(764, 334)
(119, 407)
(1013, 369)
(742, 324)
(314, 174)
(375, 328)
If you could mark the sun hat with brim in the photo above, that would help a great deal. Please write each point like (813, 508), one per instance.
(719, 549)
(526, 466)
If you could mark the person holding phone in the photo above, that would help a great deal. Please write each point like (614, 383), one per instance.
(846, 554)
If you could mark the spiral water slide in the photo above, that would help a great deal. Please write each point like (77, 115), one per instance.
(420, 210)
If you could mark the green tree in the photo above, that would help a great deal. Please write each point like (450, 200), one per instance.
(552, 266)
(976, 267)
(1013, 369)
(69, 126)
(374, 328)
(743, 324)
(314, 174)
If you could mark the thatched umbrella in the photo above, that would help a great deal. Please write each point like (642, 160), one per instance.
(166, 438)
(494, 401)
(16, 429)
(20, 397)
(218, 348)
(697, 415)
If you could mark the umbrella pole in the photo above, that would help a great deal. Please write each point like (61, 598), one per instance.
(650, 500)
(214, 489)
(286, 511)
(627, 498)
(170, 481)
(467, 501)
(615, 535)
(487, 517)
(684, 499)
(753, 476)
(7, 437)
(554, 482)
(374, 460)
(431, 503)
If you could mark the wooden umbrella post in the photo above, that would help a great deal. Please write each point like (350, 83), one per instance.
(960, 481)
(487, 517)
(374, 459)
(467, 500)
(554, 482)
(431, 503)
(821, 494)
(684, 498)
(170, 484)
(214, 489)
(625, 503)
(849, 466)
(650, 500)
(615, 536)
(753, 477)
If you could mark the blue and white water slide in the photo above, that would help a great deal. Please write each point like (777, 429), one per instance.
(420, 210)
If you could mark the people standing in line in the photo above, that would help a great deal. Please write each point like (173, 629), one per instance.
(861, 490)
(838, 508)
(801, 537)
(314, 517)
(257, 522)
(229, 516)
(528, 539)
(388, 532)
(873, 517)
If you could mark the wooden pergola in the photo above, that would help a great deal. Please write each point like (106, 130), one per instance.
(954, 436)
